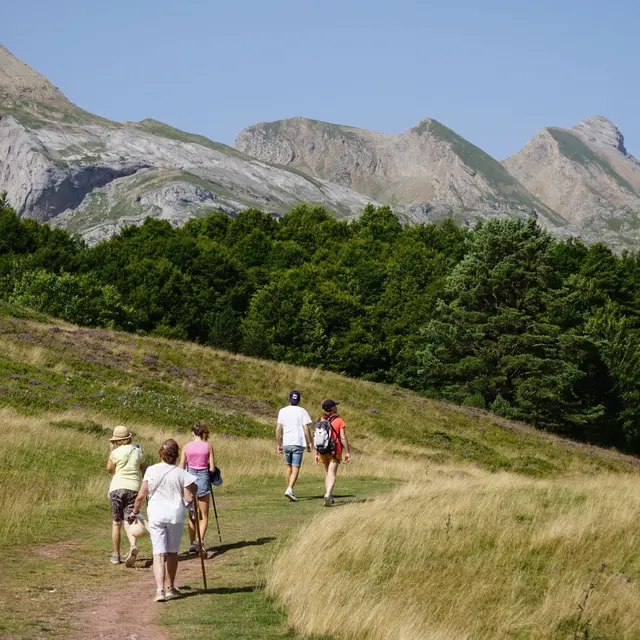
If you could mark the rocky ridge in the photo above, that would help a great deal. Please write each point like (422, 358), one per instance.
(61, 164)
(427, 172)
(586, 174)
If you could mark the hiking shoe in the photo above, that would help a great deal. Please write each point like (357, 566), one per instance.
(115, 558)
(130, 560)
(289, 494)
(160, 597)
(173, 593)
(193, 548)
(328, 500)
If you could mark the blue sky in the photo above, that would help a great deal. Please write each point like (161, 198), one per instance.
(496, 71)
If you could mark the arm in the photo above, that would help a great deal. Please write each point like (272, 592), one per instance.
(307, 429)
(111, 467)
(183, 459)
(212, 459)
(279, 448)
(189, 493)
(345, 444)
(142, 494)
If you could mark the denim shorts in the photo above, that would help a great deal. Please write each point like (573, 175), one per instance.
(202, 481)
(293, 455)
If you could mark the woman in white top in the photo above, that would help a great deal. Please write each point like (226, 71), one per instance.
(167, 486)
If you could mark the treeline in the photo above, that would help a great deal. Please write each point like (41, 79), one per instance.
(505, 317)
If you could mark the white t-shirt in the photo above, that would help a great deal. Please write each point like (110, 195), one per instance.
(293, 419)
(166, 502)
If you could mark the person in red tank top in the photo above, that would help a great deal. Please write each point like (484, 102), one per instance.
(331, 462)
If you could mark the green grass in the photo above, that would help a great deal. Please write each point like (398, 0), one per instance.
(63, 388)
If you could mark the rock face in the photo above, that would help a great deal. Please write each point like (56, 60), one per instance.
(585, 174)
(61, 164)
(428, 171)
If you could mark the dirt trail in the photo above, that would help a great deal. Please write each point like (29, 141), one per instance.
(126, 611)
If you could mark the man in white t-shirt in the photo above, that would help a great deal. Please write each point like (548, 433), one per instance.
(291, 429)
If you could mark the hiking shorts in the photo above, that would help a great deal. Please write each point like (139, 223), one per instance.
(325, 458)
(165, 537)
(202, 481)
(122, 503)
(293, 455)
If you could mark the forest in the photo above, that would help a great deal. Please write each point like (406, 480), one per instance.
(504, 317)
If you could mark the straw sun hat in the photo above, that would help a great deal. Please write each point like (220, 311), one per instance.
(120, 433)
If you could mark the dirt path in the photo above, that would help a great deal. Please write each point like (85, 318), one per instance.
(127, 612)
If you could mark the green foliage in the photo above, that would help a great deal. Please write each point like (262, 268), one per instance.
(505, 317)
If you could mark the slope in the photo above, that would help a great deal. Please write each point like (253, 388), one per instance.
(429, 170)
(587, 175)
(60, 163)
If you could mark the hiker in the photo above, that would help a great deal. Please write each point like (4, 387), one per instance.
(330, 441)
(198, 459)
(291, 428)
(126, 464)
(167, 486)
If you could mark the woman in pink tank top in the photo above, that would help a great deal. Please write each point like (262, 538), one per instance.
(198, 459)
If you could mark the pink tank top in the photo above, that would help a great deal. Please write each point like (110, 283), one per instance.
(197, 454)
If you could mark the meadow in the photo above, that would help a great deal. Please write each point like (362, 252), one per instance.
(452, 523)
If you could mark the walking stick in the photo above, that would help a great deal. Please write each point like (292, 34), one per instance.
(197, 524)
(215, 511)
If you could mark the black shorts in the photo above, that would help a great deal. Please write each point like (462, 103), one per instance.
(122, 503)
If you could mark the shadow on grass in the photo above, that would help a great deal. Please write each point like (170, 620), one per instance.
(214, 552)
(321, 497)
(221, 591)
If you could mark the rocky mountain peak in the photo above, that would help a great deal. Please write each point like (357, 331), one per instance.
(20, 82)
(600, 130)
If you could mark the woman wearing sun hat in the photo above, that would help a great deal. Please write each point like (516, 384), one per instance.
(126, 464)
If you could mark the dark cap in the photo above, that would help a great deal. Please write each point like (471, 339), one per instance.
(294, 397)
(328, 405)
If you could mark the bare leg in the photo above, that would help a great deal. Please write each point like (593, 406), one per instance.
(192, 530)
(172, 568)
(330, 471)
(158, 568)
(203, 508)
(130, 536)
(287, 475)
(293, 476)
(115, 536)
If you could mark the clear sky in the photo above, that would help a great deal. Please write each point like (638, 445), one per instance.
(496, 71)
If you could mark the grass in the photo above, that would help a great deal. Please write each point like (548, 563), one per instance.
(63, 388)
(484, 557)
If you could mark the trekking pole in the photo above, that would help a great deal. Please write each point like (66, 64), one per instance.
(197, 525)
(215, 511)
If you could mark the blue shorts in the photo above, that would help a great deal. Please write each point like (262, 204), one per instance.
(293, 455)
(202, 481)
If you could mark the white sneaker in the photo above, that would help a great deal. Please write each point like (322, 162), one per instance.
(289, 494)
(328, 500)
(115, 558)
(160, 597)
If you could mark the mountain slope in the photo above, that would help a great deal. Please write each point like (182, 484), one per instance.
(427, 170)
(60, 163)
(586, 174)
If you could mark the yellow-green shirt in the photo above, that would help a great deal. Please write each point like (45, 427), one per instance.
(127, 459)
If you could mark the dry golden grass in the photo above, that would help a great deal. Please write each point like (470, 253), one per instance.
(471, 557)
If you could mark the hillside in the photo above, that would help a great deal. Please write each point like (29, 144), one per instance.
(429, 171)
(587, 175)
(64, 388)
(91, 175)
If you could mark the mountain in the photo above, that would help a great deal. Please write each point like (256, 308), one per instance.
(427, 172)
(585, 174)
(61, 164)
